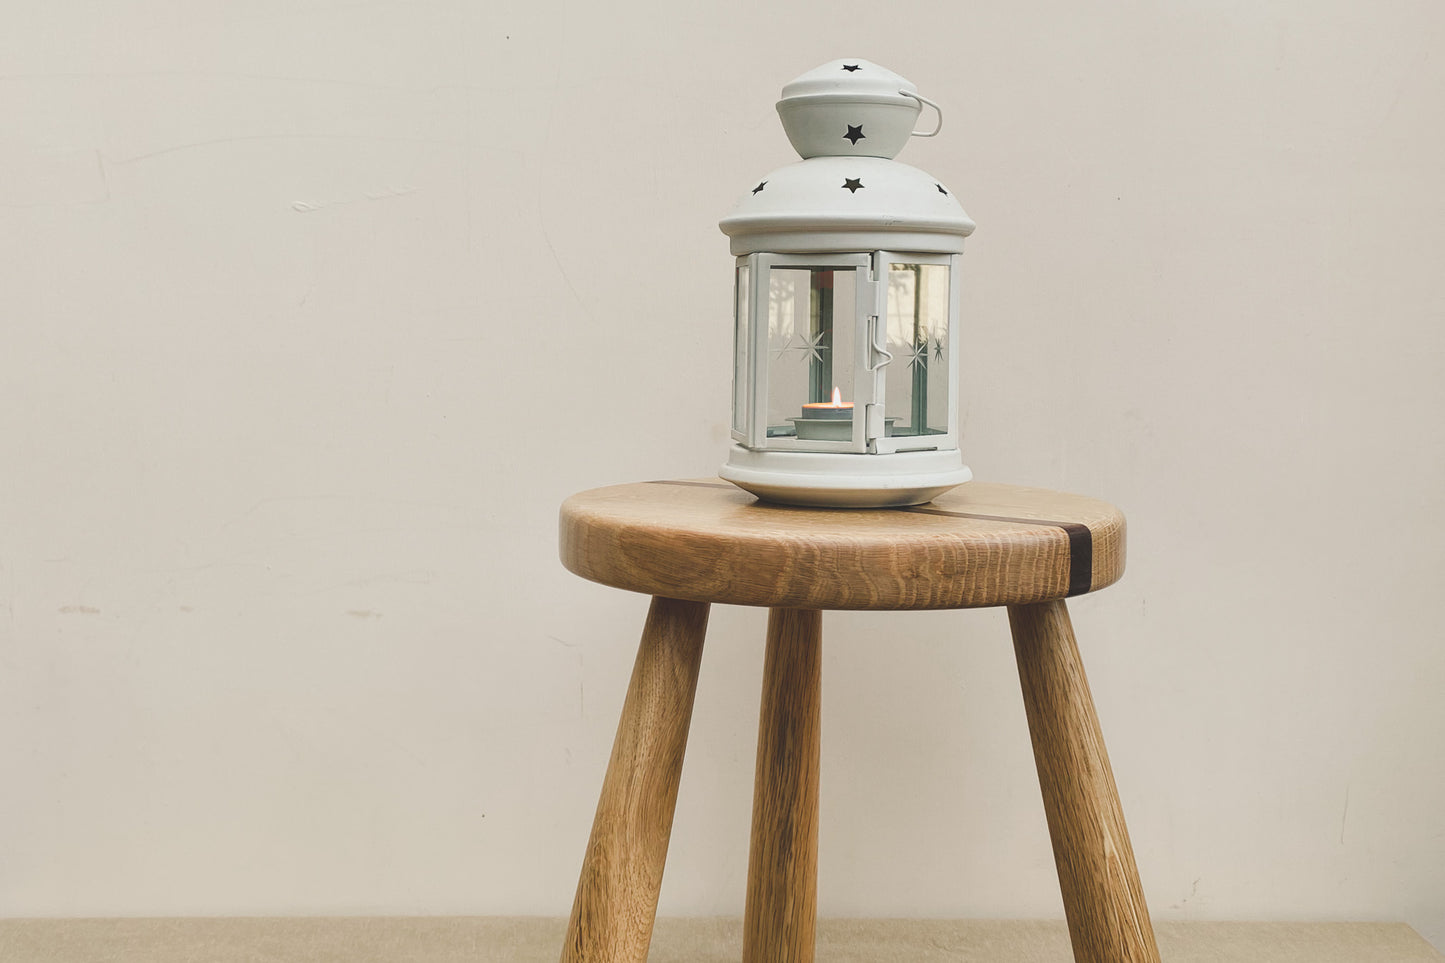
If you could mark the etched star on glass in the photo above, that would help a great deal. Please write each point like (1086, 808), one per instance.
(813, 348)
(919, 355)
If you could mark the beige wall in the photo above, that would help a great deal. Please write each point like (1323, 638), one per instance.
(312, 314)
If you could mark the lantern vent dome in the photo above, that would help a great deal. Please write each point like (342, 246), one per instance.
(849, 108)
(848, 118)
(847, 204)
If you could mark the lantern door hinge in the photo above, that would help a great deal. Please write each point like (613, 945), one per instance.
(874, 429)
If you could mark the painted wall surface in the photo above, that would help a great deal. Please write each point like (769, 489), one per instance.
(313, 313)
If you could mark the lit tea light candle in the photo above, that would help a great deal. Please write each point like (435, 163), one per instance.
(837, 409)
(826, 420)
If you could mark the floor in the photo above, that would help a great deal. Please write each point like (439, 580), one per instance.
(527, 939)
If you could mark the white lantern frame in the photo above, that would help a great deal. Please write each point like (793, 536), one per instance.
(871, 341)
(849, 208)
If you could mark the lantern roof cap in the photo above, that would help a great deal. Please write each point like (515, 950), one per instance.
(850, 108)
(847, 204)
(850, 79)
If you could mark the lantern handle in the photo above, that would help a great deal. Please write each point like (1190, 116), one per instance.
(936, 109)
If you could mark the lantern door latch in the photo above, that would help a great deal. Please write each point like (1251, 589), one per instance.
(877, 344)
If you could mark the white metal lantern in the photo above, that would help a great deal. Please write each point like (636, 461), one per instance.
(845, 361)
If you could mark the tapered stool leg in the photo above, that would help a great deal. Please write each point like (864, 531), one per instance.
(616, 900)
(1104, 903)
(782, 905)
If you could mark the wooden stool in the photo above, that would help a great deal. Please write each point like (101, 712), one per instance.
(691, 543)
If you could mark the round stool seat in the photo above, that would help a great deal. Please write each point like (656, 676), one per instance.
(706, 540)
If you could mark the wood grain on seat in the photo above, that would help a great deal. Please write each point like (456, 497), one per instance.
(978, 545)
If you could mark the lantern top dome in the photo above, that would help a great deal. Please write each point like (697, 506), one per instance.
(847, 204)
(848, 119)
(849, 108)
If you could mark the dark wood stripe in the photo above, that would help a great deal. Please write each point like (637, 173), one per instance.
(692, 484)
(1081, 542)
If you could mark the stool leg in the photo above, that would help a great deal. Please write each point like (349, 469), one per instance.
(616, 900)
(1104, 903)
(782, 903)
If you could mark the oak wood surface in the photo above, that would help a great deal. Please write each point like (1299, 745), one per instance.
(980, 544)
(1103, 900)
(780, 917)
(533, 939)
(616, 900)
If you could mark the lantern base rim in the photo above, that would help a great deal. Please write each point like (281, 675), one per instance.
(845, 480)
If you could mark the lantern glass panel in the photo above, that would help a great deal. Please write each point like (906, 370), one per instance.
(742, 370)
(811, 312)
(917, 379)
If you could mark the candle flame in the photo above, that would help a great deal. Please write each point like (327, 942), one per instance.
(837, 397)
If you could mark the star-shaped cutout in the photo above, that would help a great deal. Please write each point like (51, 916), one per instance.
(853, 184)
(939, 186)
(851, 67)
(937, 349)
(855, 134)
(782, 351)
(760, 187)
